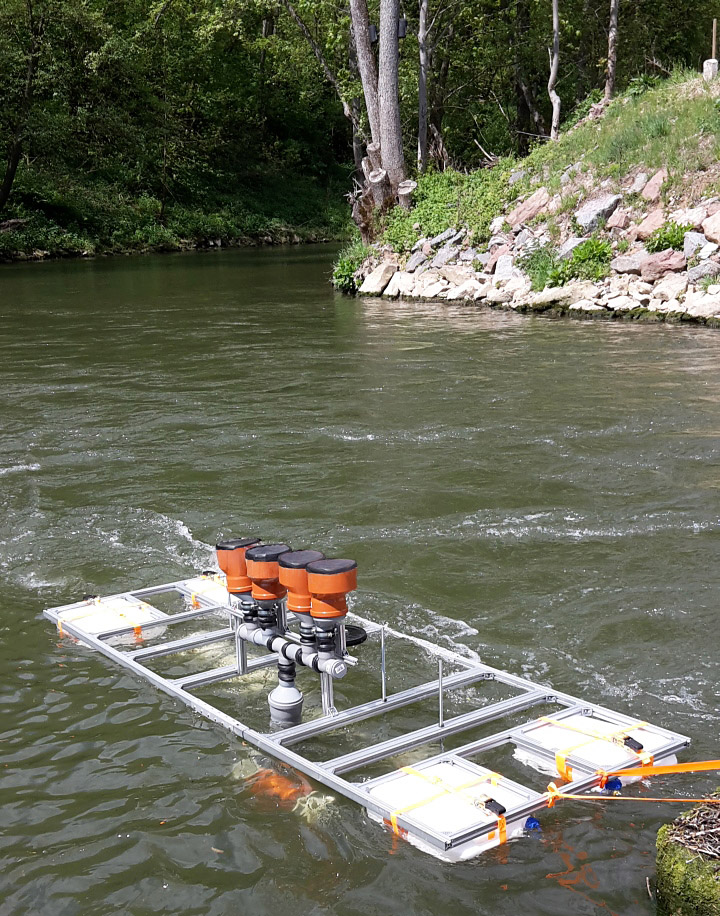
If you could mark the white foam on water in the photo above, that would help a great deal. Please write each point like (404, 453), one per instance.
(18, 468)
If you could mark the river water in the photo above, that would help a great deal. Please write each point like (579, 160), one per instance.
(543, 493)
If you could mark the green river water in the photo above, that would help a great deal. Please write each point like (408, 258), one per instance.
(545, 494)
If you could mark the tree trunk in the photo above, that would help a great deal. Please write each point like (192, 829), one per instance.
(366, 64)
(357, 140)
(363, 210)
(422, 149)
(612, 49)
(16, 144)
(388, 93)
(554, 68)
(405, 193)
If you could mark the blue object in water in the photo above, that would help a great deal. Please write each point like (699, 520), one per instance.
(532, 823)
(613, 785)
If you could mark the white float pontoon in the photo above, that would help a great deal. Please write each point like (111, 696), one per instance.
(452, 803)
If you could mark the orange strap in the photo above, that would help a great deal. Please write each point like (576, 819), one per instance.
(698, 766)
(553, 794)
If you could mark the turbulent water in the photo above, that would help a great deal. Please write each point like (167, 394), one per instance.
(543, 493)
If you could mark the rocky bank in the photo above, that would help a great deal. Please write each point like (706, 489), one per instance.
(667, 285)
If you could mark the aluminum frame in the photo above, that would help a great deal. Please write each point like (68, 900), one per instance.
(278, 744)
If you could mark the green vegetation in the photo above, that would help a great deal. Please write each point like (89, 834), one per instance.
(687, 882)
(589, 261)
(450, 198)
(162, 125)
(139, 124)
(348, 261)
(671, 235)
(674, 125)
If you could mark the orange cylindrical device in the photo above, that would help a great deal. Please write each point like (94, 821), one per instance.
(294, 576)
(263, 570)
(231, 560)
(329, 582)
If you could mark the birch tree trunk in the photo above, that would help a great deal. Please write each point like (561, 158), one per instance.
(612, 49)
(366, 64)
(554, 68)
(422, 149)
(388, 97)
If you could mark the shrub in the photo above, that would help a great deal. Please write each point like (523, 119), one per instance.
(348, 261)
(589, 261)
(671, 235)
(450, 198)
(539, 264)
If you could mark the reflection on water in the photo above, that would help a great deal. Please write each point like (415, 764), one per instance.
(539, 493)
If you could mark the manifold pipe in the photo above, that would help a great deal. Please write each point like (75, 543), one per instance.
(291, 651)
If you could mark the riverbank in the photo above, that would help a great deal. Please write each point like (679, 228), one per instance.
(70, 218)
(618, 219)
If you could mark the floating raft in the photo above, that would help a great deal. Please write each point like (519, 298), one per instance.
(452, 803)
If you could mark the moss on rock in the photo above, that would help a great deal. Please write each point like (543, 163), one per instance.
(688, 884)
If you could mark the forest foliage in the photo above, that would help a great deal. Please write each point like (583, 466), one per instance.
(144, 123)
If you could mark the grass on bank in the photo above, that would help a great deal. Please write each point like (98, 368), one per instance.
(673, 124)
(64, 215)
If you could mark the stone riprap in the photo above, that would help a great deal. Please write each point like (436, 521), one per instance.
(667, 285)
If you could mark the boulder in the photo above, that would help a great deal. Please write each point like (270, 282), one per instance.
(629, 263)
(496, 241)
(707, 251)
(711, 227)
(573, 292)
(623, 304)
(468, 255)
(375, 283)
(402, 284)
(694, 241)
(446, 254)
(700, 305)
(435, 290)
(442, 238)
(641, 179)
(495, 256)
(568, 247)
(504, 268)
(498, 296)
(530, 208)
(585, 305)
(652, 189)
(415, 260)
(619, 220)
(657, 265)
(457, 274)
(523, 238)
(671, 287)
(466, 290)
(690, 217)
(589, 216)
(706, 269)
(652, 222)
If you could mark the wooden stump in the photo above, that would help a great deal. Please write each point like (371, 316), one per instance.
(373, 151)
(380, 186)
(406, 189)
